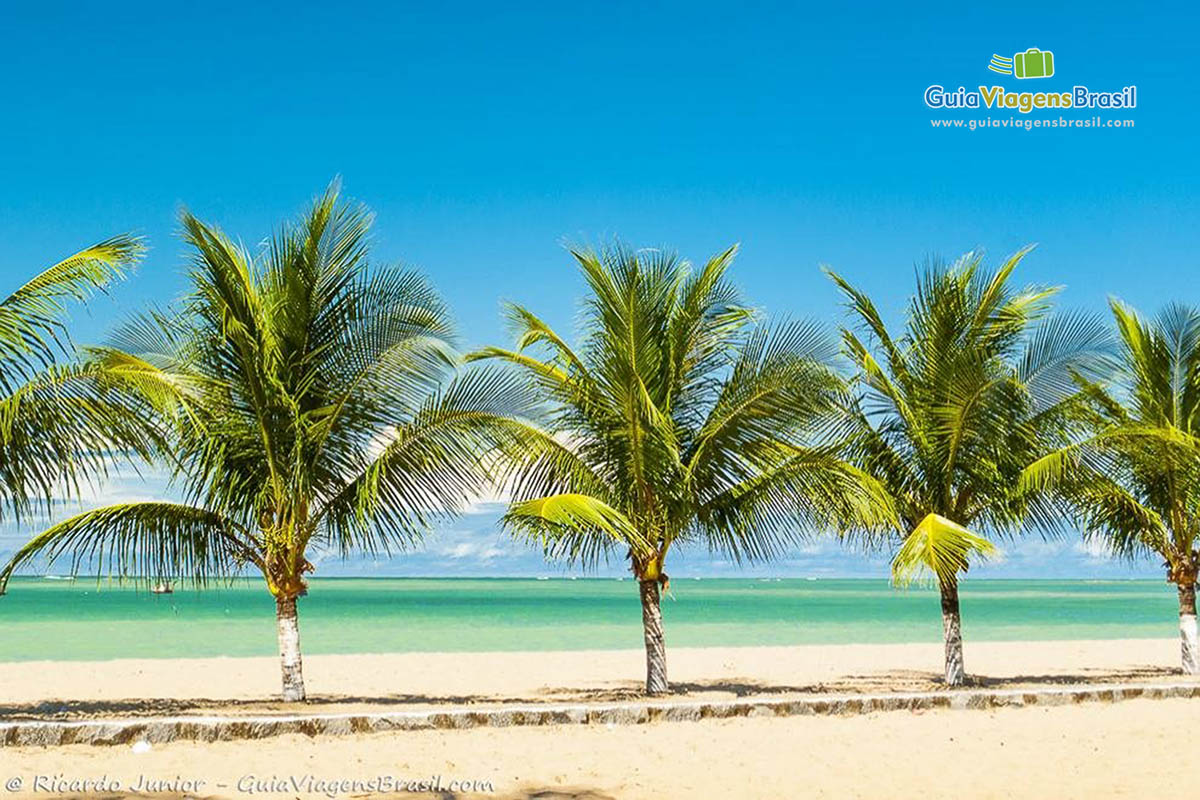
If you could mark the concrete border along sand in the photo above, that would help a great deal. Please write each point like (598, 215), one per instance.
(221, 728)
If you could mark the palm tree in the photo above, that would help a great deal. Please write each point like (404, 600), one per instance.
(58, 421)
(678, 421)
(975, 388)
(301, 393)
(1134, 481)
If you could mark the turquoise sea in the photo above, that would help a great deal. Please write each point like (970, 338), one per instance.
(84, 619)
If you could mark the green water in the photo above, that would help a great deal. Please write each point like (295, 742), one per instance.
(44, 619)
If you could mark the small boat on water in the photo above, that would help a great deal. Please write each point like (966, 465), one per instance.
(162, 587)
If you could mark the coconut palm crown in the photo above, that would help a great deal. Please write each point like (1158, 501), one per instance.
(679, 420)
(977, 386)
(304, 395)
(1134, 482)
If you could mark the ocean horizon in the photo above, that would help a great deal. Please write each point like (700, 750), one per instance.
(54, 618)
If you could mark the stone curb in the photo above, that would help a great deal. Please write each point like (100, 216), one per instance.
(218, 728)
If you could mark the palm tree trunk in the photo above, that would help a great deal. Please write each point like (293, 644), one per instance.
(952, 634)
(1187, 629)
(289, 648)
(656, 645)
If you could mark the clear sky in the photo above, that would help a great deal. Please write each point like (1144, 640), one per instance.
(486, 135)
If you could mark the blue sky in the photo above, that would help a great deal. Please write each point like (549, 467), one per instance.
(486, 135)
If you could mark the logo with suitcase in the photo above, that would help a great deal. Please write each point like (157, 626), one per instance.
(1033, 63)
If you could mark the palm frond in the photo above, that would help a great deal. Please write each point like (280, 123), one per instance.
(564, 522)
(31, 318)
(807, 492)
(62, 428)
(150, 540)
(456, 449)
(938, 548)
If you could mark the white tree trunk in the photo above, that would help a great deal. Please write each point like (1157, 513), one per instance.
(289, 649)
(952, 634)
(1189, 650)
(656, 645)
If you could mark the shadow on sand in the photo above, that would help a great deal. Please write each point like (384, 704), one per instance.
(886, 682)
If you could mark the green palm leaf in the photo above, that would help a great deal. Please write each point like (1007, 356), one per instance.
(31, 318)
(938, 548)
(147, 539)
(545, 518)
(59, 421)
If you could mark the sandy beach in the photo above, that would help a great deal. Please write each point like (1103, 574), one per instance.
(1097, 750)
(421, 680)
